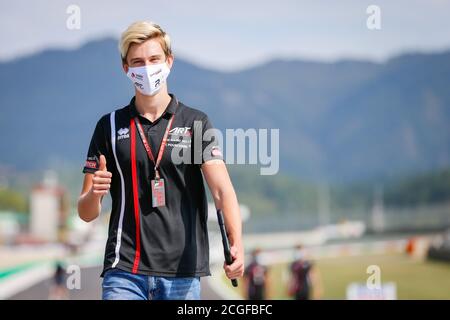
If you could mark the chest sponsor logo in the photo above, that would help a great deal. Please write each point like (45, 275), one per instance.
(123, 133)
(181, 131)
(180, 137)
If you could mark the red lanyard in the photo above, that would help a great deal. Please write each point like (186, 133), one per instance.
(161, 147)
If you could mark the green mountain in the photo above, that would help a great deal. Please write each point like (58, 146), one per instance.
(342, 121)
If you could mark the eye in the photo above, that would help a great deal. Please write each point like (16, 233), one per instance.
(137, 63)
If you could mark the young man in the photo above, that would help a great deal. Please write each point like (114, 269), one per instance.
(305, 282)
(256, 278)
(157, 246)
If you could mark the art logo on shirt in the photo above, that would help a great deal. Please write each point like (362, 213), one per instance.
(181, 131)
(123, 133)
(180, 137)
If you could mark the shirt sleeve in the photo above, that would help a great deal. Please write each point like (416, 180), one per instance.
(97, 147)
(211, 149)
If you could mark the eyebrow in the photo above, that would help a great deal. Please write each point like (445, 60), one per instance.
(140, 58)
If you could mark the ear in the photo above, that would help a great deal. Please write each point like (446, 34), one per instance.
(170, 60)
(125, 67)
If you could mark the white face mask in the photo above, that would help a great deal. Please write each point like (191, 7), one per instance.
(299, 255)
(149, 79)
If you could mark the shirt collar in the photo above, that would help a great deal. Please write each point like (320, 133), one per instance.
(171, 108)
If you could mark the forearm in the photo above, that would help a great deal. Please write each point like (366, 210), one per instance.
(226, 200)
(89, 206)
(222, 190)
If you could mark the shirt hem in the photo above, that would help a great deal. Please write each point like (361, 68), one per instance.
(128, 268)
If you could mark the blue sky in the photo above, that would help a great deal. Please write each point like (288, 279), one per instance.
(236, 34)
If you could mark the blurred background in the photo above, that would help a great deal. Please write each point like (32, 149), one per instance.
(360, 94)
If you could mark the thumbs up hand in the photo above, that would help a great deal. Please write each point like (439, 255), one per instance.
(102, 165)
(102, 178)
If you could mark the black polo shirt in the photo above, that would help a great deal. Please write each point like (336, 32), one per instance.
(164, 241)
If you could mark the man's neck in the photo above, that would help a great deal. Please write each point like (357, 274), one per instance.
(152, 107)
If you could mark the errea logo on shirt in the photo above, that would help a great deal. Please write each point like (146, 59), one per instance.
(123, 133)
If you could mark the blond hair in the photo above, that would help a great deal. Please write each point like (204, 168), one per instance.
(141, 31)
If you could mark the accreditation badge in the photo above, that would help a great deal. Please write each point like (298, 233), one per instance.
(158, 193)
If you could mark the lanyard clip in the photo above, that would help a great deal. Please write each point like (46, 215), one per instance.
(156, 174)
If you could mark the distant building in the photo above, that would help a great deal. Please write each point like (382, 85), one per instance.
(10, 223)
(48, 208)
(378, 220)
